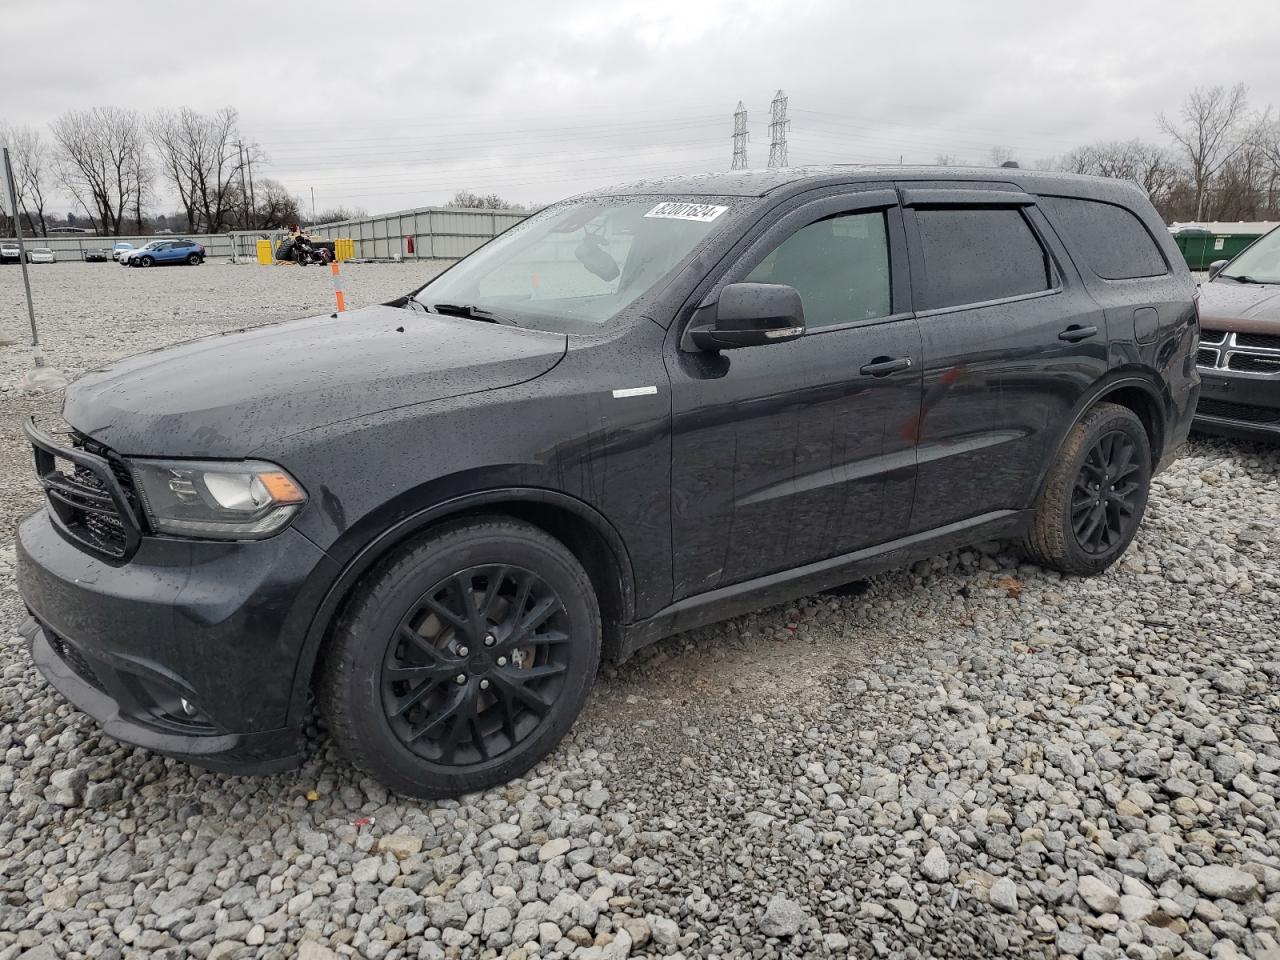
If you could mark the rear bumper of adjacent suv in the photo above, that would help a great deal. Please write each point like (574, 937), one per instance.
(189, 649)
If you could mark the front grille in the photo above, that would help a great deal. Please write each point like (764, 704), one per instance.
(1206, 357)
(1212, 337)
(90, 493)
(1238, 411)
(1267, 341)
(1253, 364)
(74, 659)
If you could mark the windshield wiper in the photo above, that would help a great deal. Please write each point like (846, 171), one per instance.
(470, 311)
(1239, 277)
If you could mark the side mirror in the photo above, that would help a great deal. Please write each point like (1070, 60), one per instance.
(1215, 268)
(751, 315)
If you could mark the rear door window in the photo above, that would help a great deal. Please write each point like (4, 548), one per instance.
(1112, 241)
(977, 254)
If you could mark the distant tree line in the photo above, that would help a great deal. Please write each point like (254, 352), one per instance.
(1221, 160)
(109, 160)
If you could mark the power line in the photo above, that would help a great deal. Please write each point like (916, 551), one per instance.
(778, 124)
(739, 138)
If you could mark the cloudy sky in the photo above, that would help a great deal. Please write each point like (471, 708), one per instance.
(387, 105)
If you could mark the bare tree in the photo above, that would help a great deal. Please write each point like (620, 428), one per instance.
(101, 161)
(1000, 156)
(30, 156)
(1146, 164)
(1209, 133)
(466, 200)
(276, 207)
(199, 154)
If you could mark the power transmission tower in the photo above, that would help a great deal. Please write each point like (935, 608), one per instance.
(739, 138)
(778, 124)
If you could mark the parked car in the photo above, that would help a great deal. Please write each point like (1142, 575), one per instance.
(41, 255)
(120, 249)
(1239, 355)
(633, 413)
(97, 254)
(165, 251)
(10, 252)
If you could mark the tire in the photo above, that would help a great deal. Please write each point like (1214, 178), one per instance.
(408, 620)
(193, 260)
(1107, 456)
(142, 262)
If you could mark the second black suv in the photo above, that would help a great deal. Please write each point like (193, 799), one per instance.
(633, 413)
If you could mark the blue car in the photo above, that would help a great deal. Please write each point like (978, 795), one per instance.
(165, 251)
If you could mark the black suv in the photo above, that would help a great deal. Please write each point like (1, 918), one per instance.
(634, 413)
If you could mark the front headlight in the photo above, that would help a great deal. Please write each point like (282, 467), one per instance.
(245, 500)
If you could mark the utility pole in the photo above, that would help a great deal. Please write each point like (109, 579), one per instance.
(244, 190)
(778, 124)
(313, 206)
(739, 138)
(41, 378)
(253, 202)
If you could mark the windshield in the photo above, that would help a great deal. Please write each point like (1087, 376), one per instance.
(1259, 262)
(579, 263)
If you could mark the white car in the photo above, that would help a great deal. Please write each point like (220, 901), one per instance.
(124, 256)
(119, 249)
(9, 251)
(41, 255)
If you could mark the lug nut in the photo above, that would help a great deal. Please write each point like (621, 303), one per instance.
(502, 661)
(484, 684)
(490, 639)
(463, 651)
(460, 678)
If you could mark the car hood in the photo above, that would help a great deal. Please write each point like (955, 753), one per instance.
(1242, 307)
(226, 395)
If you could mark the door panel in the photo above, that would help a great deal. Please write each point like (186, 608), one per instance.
(788, 453)
(999, 382)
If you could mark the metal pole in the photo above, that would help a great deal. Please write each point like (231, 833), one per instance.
(22, 257)
(313, 206)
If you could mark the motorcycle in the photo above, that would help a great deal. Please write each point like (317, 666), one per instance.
(302, 251)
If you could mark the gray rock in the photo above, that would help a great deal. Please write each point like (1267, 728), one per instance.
(934, 866)
(66, 787)
(1219, 881)
(782, 917)
(1099, 895)
(1004, 895)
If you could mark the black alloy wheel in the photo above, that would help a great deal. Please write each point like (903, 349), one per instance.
(1094, 494)
(475, 665)
(1104, 508)
(462, 659)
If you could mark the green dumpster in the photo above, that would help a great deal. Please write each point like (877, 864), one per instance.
(1202, 245)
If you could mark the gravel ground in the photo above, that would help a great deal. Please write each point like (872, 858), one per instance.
(974, 757)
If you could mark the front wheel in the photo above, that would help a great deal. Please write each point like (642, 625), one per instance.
(1095, 494)
(143, 261)
(463, 659)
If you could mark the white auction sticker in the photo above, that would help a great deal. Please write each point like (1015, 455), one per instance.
(703, 212)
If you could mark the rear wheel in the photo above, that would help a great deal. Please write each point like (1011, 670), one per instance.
(463, 660)
(193, 259)
(1095, 495)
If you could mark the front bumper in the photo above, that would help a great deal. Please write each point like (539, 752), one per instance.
(217, 625)
(1239, 405)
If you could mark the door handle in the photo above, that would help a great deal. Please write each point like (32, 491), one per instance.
(883, 366)
(1076, 333)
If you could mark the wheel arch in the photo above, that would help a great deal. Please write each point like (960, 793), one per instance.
(1134, 388)
(587, 534)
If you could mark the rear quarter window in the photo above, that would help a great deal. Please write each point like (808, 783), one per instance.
(1111, 240)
